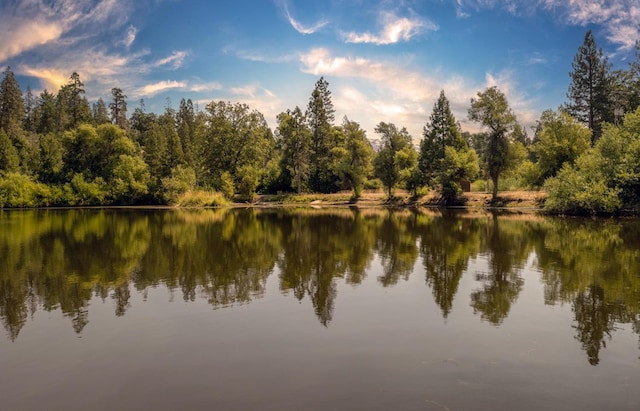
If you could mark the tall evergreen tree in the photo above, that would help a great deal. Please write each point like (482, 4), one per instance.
(46, 113)
(30, 102)
(100, 113)
(185, 125)
(9, 159)
(11, 103)
(441, 131)
(76, 106)
(589, 89)
(118, 108)
(320, 116)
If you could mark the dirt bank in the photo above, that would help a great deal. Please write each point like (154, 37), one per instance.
(507, 199)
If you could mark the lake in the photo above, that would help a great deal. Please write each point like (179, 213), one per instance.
(317, 309)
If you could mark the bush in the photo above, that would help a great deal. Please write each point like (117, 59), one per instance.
(20, 191)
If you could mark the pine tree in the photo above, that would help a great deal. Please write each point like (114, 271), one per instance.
(589, 92)
(11, 103)
(100, 113)
(118, 108)
(441, 131)
(320, 117)
(9, 159)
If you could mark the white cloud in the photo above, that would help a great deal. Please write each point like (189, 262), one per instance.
(151, 89)
(405, 97)
(299, 27)
(620, 19)
(393, 30)
(200, 87)
(175, 60)
(130, 37)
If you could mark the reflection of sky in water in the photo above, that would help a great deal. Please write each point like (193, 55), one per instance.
(383, 348)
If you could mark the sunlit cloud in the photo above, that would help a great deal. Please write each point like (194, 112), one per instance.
(151, 89)
(406, 97)
(394, 29)
(20, 36)
(299, 27)
(25, 25)
(52, 79)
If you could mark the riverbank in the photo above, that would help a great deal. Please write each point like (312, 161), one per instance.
(531, 200)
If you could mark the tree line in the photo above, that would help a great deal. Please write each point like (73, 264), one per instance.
(58, 149)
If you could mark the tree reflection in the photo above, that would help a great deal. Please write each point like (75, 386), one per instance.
(446, 244)
(502, 284)
(594, 265)
(319, 248)
(61, 259)
(595, 321)
(397, 246)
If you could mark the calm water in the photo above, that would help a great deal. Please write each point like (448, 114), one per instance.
(317, 310)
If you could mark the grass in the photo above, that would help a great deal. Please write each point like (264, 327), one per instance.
(200, 198)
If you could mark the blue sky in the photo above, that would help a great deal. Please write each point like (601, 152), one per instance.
(384, 60)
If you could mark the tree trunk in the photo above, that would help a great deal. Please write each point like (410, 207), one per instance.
(495, 188)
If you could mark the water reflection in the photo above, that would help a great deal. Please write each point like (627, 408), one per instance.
(61, 259)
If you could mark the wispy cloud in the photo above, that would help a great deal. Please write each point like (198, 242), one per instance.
(393, 29)
(130, 36)
(200, 87)
(175, 60)
(620, 19)
(154, 88)
(299, 27)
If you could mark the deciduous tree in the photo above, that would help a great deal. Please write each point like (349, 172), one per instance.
(294, 139)
(397, 157)
(492, 111)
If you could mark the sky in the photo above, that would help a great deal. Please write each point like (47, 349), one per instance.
(384, 60)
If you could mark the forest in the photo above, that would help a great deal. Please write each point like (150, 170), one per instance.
(58, 149)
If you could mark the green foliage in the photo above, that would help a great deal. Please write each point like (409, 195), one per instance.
(576, 190)
(457, 165)
(320, 117)
(396, 159)
(560, 139)
(83, 192)
(237, 139)
(294, 139)
(50, 158)
(181, 180)
(605, 179)
(440, 132)
(492, 111)
(11, 104)
(20, 191)
(130, 179)
(353, 161)
(9, 160)
(589, 92)
(226, 185)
